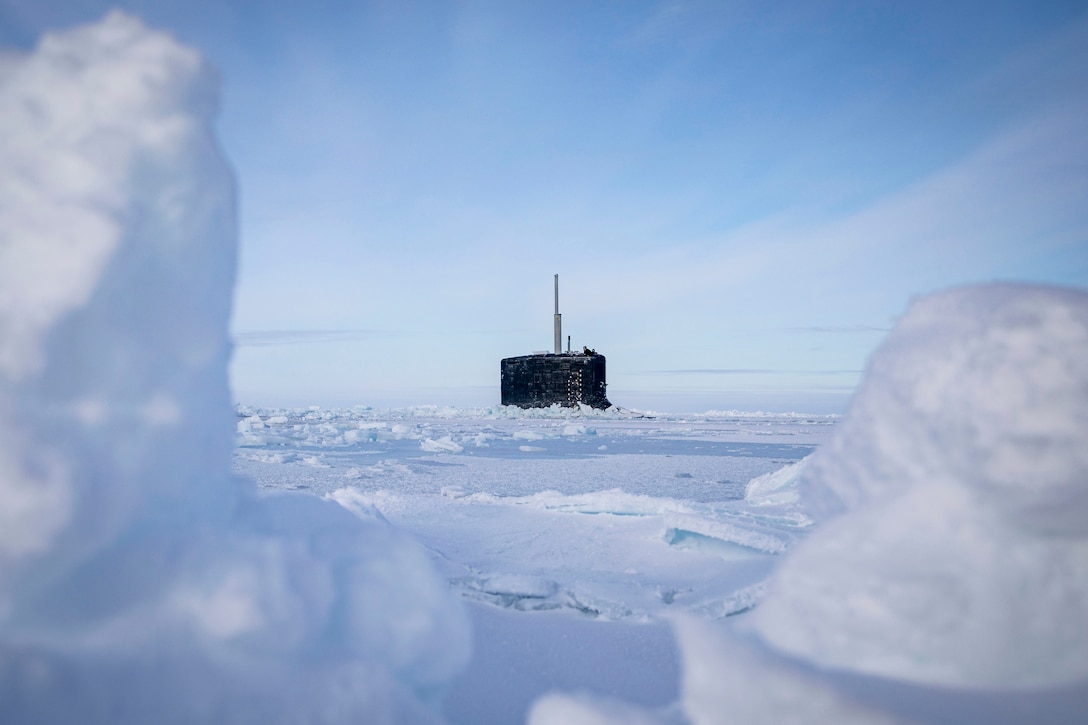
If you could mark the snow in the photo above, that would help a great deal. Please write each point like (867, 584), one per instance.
(623, 534)
(774, 489)
(936, 585)
(139, 580)
(443, 445)
(164, 557)
(961, 557)
(571, 558)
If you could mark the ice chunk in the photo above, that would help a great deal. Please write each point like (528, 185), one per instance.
(138, 580)
(445, 444)
(524, 585)
(523, 592)
(116, 264)
(698, 531)
(775, 488)
(961, 469)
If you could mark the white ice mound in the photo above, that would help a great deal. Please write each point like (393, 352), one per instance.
(138, 581)
(726, 681)
(777, 488)
(961, 474)
(116, 266)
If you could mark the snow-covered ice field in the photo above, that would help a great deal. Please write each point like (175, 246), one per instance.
(611, 516)
(168, 557)
(619, 516)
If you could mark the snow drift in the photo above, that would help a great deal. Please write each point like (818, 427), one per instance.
(138, 581)
(960, 557)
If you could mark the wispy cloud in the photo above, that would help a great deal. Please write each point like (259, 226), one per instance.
(257, 338)
(754, 371)
(840, 329)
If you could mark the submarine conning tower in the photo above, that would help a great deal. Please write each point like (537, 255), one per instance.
(544, 379)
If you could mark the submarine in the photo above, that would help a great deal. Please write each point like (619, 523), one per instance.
(566, 378)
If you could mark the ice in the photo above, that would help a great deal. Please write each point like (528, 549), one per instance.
(731, 520)
(655, 523)
(924, 558)
(723, 536)
(521, 655)
(726, 680)
(617, 536)
(775, 489)
(94, 168)
(139, 580)
(443, 445)
(517, 591)
(935, 586)
(961, 469)
(585, 710)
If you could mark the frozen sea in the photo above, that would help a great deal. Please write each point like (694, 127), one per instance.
(556, 527)
(928, 563)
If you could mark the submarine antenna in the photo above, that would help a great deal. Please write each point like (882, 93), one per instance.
(558, 320)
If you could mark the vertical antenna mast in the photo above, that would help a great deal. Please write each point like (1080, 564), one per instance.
(558, 320)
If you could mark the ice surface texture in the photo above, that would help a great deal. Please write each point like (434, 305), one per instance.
(961, 473)
(138, 581)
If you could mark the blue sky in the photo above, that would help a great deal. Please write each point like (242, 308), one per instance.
(739, 197)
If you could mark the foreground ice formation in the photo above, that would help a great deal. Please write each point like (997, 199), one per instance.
(961, 471)
(947, 578)
(138, 581)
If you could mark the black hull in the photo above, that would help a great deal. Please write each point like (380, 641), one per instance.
(539, 381)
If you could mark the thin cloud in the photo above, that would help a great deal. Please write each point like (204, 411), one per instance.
(754, 371)
(840, 329)
(258, 338)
